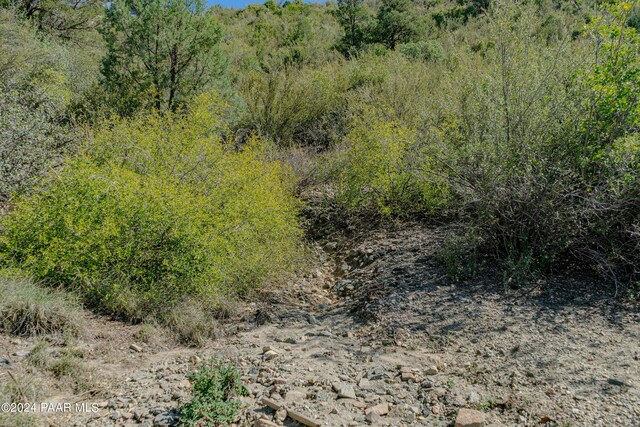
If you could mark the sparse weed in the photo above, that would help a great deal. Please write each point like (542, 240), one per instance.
(145, 333)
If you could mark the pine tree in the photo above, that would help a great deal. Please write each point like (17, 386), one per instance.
(397, 22)
(352, 16)
(165, 50)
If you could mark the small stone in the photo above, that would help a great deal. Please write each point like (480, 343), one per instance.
(358, 404)
(377, 373)
(275, 395)
(269, 348)
(281, 414)
(469, 418)
(440, 391)
(373, 418)
(619, 382)
(261, 422)
(473, 398)
(380, 409)
(431, 370)
(22, 353)
(364, 383)
(426, 384)
(136, 348)
(295, 396)
(269, 355)
(344, 390)
(408, 376)
(5, 362)
(115, 415)
(166, 419)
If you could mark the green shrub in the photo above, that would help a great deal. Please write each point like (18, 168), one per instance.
(395, 87)
(302, 107)
(29, 309)
(38, 79)
(216, 387)
(32, 139)
(157, 209)
(428, 50)
(634, 19)
(614, 238)
(539, 148)
(378, 174)
(501, 134)
(366, 71)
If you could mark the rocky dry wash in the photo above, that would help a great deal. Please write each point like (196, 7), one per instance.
(378, 335)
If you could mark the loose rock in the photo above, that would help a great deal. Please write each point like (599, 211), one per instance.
(344, 390)
(469, 418)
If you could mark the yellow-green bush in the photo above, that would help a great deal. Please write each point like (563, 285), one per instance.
(379, 172)
(156, 210)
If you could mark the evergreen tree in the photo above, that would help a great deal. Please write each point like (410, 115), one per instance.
(159, 50)
(397, 22)
(352, 16)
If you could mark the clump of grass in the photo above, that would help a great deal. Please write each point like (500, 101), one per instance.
(145, 334)
(69, 367)
(216, 387)
(20, 388)
(193, 322)
(38, 356)
(27, 309)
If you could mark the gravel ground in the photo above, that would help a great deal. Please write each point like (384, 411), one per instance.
(378, 335)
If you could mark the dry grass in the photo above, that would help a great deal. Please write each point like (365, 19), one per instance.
(27, 309)
(193, 323)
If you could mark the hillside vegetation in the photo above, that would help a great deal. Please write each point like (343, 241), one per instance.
(158, 153)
